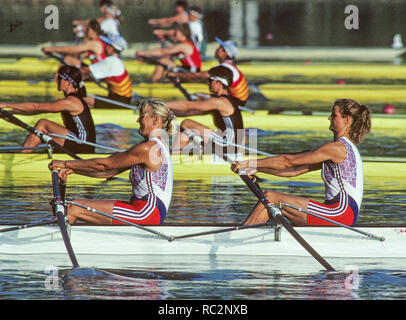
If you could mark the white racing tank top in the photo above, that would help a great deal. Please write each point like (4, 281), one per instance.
(158, 183)
(346, 177)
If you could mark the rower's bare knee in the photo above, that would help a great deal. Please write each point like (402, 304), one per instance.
(42, 124)
(186, 124)
(270, 195)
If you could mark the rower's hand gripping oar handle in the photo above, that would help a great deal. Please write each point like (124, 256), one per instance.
(55, 56)
(44, 137)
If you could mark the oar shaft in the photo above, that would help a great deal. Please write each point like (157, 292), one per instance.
(29, 225)
(44, 137)
(222, 230)
(169, 238)
(59, 211)
(86, 142)
(117, 103)
(369, 235)
(277, 215)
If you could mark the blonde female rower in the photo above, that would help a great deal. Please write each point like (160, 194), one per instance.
(151, 173)
(341, 170)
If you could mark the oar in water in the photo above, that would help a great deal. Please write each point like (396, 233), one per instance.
(59, 212)
(44, 137)
(276, 214)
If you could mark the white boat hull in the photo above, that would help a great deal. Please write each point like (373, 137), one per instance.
(126, 240)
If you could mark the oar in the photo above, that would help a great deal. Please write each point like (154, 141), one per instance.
(44, 137)
(181, 129)
(55, 56)
(151, 60)
(59, 211)
(78, 141)
(222, 230)
(118, 103)
(276, 214)
(29, 225)
(369, 235)
(187, 95)
(61, 60)
(169, 238)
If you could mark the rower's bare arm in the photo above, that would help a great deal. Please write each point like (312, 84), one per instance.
(202, 106)
(334, 151)
(190, 76)
(44, 107)
(83, 47)
(112, 165)
(157, 52)
(165, 22)
(291, 172)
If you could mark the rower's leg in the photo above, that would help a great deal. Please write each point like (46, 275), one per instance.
(260, 214)
(90, 102)
(182, 138)
(75, 212)
(47, 127)
(160, 70)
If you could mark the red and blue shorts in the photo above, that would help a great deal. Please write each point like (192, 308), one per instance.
(342, 209)
(147, 210)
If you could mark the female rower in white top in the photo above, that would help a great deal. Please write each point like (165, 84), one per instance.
(341, 169)
(151, 173)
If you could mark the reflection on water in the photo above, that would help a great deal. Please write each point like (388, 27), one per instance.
(202, 277)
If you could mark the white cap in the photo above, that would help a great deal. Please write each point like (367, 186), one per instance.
(229, 47)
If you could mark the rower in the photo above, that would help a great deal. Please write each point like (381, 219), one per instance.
(93, 47)
(225, 54)
(197, 31)
(181, 16)
(224, 109)
(109, 21)
(111, 70)
(76, 116)
(341, 169)
(183, 49)
(151, 173)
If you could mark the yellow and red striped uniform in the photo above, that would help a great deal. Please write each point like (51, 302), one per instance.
(239, 88)
(120, 85)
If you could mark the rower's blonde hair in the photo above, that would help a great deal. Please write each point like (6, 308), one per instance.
(361, 118)
(159, 108)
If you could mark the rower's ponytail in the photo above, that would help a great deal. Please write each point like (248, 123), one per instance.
(361, 118)
(159, 108)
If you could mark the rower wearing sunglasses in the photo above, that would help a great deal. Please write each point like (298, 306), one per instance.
(225, 112)
(75, 113)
